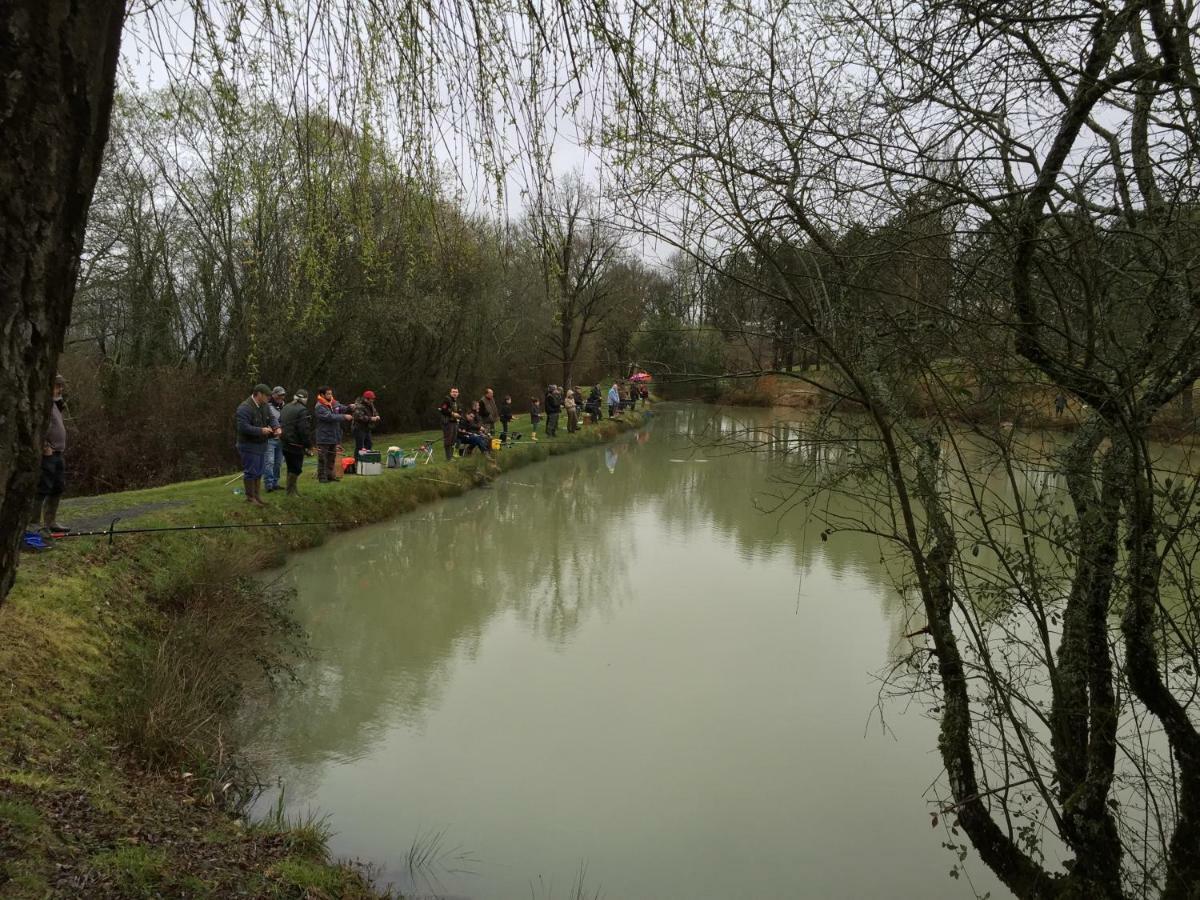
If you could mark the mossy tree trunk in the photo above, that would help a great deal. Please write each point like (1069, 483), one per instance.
(58, 61)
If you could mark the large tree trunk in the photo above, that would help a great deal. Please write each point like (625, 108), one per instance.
(58, 62)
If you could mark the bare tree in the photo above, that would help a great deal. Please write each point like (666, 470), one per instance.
(1057, 643)
(579, 254)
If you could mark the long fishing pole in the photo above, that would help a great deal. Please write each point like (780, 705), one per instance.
(112, 530)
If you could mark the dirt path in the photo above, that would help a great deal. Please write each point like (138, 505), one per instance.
(85, 514)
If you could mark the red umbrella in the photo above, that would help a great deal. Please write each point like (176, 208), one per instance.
(641, 376)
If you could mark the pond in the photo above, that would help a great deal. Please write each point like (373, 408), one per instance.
(613, 674)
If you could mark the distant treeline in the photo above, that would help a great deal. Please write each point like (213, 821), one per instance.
(229, 246)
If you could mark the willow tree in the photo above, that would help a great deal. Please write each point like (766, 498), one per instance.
(1058, 642)
(413, 71)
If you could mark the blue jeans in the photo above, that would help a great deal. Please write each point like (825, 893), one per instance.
(473, 440)
(274, 464)
(254, 458)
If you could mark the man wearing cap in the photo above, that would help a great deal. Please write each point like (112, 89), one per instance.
(53, 478)
(274, 462)
(297, 438)
(254, 429)
(365, 420)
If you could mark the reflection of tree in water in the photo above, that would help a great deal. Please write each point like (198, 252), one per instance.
(1016, 560)
(391, 608)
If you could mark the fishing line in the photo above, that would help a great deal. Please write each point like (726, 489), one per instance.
(112, 530)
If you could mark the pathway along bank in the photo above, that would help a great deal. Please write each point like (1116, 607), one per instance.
(123, 665)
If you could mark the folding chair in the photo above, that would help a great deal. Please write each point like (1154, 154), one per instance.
(420, 454)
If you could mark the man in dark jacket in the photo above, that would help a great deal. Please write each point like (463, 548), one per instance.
(489, 413)
(53, 478)
(506, 416)
(297, 438)
(593, 404)
(471, 434)
(254, 429)
(365, 420)
(330, 415)
(451, 414)
(553, 407)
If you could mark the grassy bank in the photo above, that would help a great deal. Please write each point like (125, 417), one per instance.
(124, 663)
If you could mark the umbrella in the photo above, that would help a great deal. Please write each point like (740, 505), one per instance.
(641, 376)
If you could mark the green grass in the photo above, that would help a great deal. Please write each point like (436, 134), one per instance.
(135, 871)
(122, 664)
(20, 816)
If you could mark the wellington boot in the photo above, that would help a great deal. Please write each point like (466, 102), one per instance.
(35, 515)
(292, 490)
(258, 501)
(50, 517)
(248, 488)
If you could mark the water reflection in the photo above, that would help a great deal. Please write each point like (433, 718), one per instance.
(619, 656)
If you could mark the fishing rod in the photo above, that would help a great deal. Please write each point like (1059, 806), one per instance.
(112, 530)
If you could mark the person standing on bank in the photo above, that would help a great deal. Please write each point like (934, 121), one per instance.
(53, 478)
(572, 412)
(296, 439)
(365, 420)
(593, 404)
(274, 464)
(451, 414)
(254, 429)
(506, 416)
(489, 413)
(614, 400)
(535, 416)
(330, 416)
(553, 407)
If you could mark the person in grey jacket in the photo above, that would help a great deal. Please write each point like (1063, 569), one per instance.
(274, 466)
(330, 416)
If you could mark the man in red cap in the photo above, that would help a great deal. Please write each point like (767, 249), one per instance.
(365, 420)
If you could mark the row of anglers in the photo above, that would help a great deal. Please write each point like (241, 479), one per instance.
(274, 434)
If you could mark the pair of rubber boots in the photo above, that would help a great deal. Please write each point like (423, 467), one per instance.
(254, 489)
(45, 512)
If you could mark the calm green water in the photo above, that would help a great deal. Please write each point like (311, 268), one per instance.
(613, 669)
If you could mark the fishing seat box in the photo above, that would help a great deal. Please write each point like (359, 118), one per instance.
(370, 463)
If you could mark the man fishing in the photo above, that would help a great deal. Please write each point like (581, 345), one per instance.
(330, 415)
(297, 438)
(254, 429)
(451, 414)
